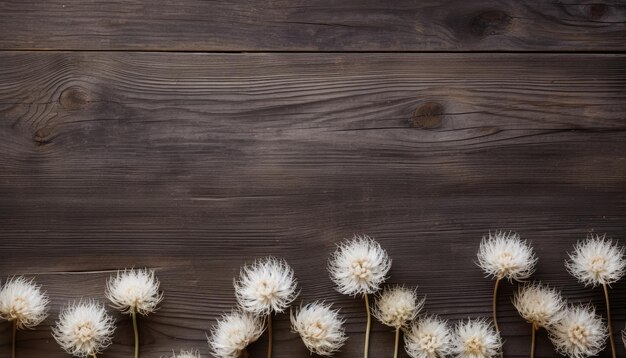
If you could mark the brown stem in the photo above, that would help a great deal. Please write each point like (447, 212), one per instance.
(532, 341)
(136, 330)
(14, 338)
(367, 329)
(495, 319)
(608, 318)
(269, 335)
(395, 349)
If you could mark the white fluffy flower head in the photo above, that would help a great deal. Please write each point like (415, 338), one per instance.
(475, 339)
(506, 255)
(186, 354)
(359, 266)
(233, 333)
(597, 261)
(268, 285)
(579, 333)
(539, 304)
(134, 291)
(429, 337)
(397, 305)
(320, 328)
(84, 329)
(23, 302)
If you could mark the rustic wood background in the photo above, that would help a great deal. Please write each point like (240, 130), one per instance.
(193, 136)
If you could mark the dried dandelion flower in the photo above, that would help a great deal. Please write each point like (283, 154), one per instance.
(266, 286)
(134, 291)
(186, 354)
(505, 255)
(320, 328)
(428, 337)
(539, 304)
(396, 306)
(475, 339)
(579, 333)
(23, 303)
(233, 333)
(358, 267)
(84, 329)
(598, 261)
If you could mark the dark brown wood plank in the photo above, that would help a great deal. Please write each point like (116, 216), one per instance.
(196, 163)
(318, 25)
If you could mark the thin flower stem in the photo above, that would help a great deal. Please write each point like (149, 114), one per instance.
(608, 318)
(94, 355)
(269, 335)
(136, 329)
(14, 337)
(532, 340)
(367, 329)
(495, 319)
(395, 350)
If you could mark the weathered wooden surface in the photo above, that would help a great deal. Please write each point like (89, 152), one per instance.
(193, 164)
(314, 25)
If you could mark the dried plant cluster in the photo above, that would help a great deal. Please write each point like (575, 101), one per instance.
(359, 268)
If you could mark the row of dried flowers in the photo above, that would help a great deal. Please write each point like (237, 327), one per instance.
(358, 267)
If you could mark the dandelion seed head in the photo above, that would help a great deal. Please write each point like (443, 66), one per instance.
(134, 290)
(320, 328)
(428, 337)
(268, 285)
(579, 333)
(23, 302)
(597, 261)
(359, 266)
(475, 339)
(506, 255)
(539, 304)
(233, 333)
(396, 306)
(84, 329)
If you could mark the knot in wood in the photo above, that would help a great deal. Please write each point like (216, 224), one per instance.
(73, 98)
(491, 22)
(429, 115)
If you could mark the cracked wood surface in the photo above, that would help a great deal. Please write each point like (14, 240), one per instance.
(193, 164)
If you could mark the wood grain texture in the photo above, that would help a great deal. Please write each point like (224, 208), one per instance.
(193, 164)
(318, 25)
